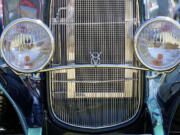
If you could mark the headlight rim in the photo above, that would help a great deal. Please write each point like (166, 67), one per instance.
(38, 22)
(138, 32)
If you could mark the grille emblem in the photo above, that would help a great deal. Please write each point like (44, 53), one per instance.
(95, 57)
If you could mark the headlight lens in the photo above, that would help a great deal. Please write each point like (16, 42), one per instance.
(27, 45)
(157, 43)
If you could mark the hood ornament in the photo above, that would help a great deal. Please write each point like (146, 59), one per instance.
(95, 57)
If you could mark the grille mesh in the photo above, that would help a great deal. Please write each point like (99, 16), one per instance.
(84, 31)
(99, 38)
(94, 100)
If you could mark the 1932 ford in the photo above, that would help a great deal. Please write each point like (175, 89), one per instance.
(89, 67)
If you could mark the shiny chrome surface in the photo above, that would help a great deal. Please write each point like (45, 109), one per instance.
(92, 66)
(3, 66)
(157, 19)
(94, 27)
(88, 101)
(95, 80)
(39, 22)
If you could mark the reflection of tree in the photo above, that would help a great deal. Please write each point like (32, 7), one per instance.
(177, 12)
(163, 7)
(13, 9)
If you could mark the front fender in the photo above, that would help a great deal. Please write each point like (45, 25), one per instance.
(20, 98)
(16, 108)
(169, 97)
(18, 95)
(163, 98)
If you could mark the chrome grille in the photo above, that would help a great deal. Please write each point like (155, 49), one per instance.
(99, 38)
(84, 31)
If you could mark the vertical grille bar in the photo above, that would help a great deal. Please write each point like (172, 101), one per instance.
(94, 97)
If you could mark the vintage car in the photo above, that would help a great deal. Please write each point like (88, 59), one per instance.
(79, 67)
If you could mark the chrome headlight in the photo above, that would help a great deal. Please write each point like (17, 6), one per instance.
(27, 45)
(157, 43)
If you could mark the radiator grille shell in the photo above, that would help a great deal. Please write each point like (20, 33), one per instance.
(94, 32)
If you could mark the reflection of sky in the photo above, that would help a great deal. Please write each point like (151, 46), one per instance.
(20, 56)
(169, 55)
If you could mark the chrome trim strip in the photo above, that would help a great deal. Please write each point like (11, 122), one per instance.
(54, 22)
(92, 81)
(93, 66)
(3, 66)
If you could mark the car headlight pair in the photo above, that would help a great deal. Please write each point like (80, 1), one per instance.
(27, 45)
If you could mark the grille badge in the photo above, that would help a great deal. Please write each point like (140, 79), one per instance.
(95, 57)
